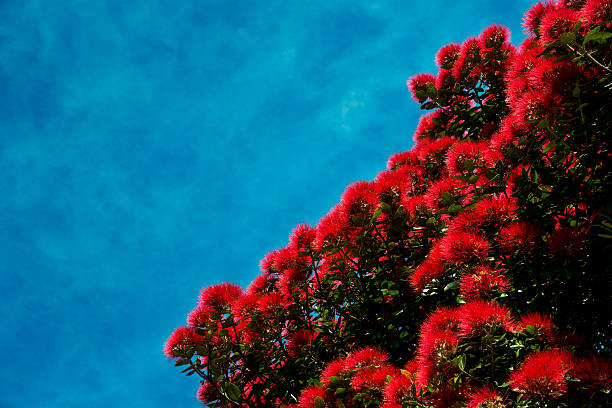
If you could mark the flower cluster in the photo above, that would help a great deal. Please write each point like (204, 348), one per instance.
(470, 272)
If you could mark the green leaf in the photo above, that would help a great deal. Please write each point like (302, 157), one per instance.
(451, 285)
(318, 402)
(232, 391)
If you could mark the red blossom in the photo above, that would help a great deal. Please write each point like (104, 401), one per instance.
(447, 55)
(483, 282)
(302, 237)
(200, 316)
(542, 326)
(333, 369)
(556, 22)
(396, 390)
(181, 338)
(445, 192)
(220, 295)
(298, 340)
(469, 58)
(596, 12)
(331, 226)
(480, 317)
(494, 36)
(402, 159)
(461, 152)
(418, 86)
(486, 396)
(428, 270)
(463, 247)
(520, 236)
(568, 242)
(533, 16)
(261, 284)
(593, 371)
(206, 393)
(365, 357)
(543, 375)
(310, 396)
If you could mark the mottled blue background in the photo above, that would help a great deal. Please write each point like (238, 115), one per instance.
(148, 148)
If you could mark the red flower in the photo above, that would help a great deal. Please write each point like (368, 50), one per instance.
(469, 58)
(261, 284)
(594, 372)
(447, 55)
(220, 295)
(310, 396)
(463, 247)
(482, 282)
(533, 16)
(298, 340)
(365, 357)
(486, 396)
(543, 375)
(519, 236)
(461, 152)
(181, 338)
(372, 377)
(480, 317)
(401, 159)
(556, 22)
(333, 369)
(441, 327)
(596, 12)
(418, 86)
(331, 226)
(206, 393)
(200, 316)
(358, 198)
(543, 327)
(393, 183)
(569, 242)
(493, 36)
(428, 270)
(396, 390)
(302, 237)
(445, 192)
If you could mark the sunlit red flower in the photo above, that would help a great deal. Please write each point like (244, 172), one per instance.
(556, 22)
(483, 282)
(333, 369)
(221, 294)
(463, 247)
(543, 375)
(428, 270)
(533, 16)
(485, 397)
(302, 237)
(447, 55)
(358, 197)
(418, 86)
(442, 326)
(374, 377)
(480, 317)
(469, 58)
(181, 338)
(494, 36)
(365, 357)
(402, 159)
(200, 316)
(461, 152)
(331, 226)
(396, 390)
(445, 192)
(541, 324)
(310, 396)
(596, 12)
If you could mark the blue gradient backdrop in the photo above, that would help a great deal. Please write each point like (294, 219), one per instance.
(148, 148)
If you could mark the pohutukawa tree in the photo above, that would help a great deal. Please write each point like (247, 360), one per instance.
(473, 272)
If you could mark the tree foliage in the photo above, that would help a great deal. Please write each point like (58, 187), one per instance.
(473, 272)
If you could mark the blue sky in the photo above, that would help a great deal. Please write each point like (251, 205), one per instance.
(148, 148)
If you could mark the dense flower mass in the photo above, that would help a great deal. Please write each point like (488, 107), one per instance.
(472, 272)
